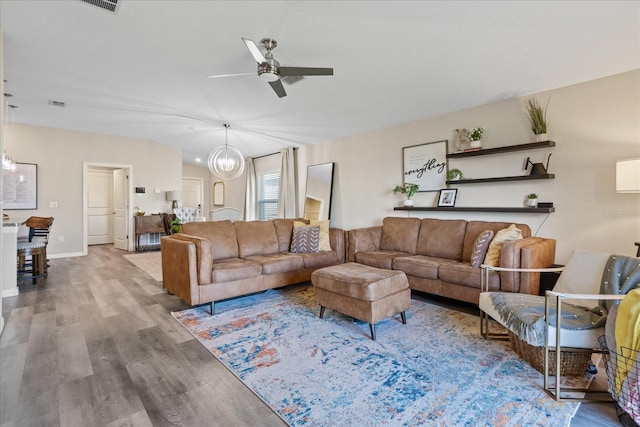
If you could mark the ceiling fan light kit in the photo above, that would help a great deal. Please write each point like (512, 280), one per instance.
(269, 70)
(226, 162)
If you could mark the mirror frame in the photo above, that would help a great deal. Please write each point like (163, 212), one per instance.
(306, 191)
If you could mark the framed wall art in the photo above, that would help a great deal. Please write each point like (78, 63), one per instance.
(426, 165)
(218, 193)
(20, 187)
(448, 197)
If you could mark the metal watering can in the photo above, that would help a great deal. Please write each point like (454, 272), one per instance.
(537, 168)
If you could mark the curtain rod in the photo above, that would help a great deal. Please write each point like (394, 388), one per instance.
(272, 154)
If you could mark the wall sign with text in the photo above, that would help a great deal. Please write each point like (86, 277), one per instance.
(20, 187)
(426, 165)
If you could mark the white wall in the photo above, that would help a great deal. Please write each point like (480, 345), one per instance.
(60, 155)
(593, 123)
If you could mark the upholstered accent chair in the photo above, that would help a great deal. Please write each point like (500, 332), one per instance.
(186, 214)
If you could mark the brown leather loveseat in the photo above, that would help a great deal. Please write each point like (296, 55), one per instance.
(216, 260)
(435, 254)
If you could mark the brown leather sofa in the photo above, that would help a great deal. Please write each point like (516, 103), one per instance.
(216, 260)
(435, 255)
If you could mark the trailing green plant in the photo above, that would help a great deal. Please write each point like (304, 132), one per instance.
(537, 116)
(175, 225)
(532, 196)
(475, 134)
(454, 174)
(408, 189)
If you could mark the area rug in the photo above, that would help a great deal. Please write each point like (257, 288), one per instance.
(149, 262)
(435, 370)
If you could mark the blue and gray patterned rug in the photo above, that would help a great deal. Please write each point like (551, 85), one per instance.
(436, 370)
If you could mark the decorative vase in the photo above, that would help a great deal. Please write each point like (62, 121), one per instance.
(408, 203)
(542, 137)
(532, 203)
(475, 144)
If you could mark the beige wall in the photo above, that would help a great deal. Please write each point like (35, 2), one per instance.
(593, 123)
(60, 155)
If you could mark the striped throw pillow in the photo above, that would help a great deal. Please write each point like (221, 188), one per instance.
(306, 239)
(480, 247)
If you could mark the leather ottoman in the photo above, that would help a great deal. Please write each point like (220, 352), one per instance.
(366, 293)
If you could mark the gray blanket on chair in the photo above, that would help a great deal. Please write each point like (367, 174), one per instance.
(523, 314)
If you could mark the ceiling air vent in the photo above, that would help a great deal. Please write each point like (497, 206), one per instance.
(110, 5)
(57, 103)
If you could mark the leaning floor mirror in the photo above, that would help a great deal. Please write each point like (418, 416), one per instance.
(317, 200)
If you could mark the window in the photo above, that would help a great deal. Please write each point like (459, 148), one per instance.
(268, 188)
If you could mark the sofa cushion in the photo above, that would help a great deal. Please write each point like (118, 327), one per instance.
(420, 265)
(305, 239)
(256, 238)
(493, 254)
(320, 259)
(464, 274)
(278, 263)
(474, 228)
(228, 270)
(480, 247)
(400, 234)
(284, 231)
(441, 238)
(221, 234)
(379, 259)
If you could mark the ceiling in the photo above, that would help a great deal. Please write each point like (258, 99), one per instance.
(142, 72)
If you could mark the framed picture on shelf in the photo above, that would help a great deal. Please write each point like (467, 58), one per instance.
(426, 165)
(447, 197)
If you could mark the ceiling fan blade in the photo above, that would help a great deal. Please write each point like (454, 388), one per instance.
(278, 88)
(231, 75)
(305, 71)
(255, 52)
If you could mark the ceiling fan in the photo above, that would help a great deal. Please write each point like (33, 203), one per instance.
(270, 70)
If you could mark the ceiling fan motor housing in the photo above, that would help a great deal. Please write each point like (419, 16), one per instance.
(268, 70)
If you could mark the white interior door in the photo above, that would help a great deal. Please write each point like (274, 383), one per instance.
(192, 193)
(100, 207)
(120, 209)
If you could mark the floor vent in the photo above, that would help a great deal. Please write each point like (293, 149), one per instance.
(110, 5)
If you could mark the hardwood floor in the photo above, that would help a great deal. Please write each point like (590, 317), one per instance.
(96, 346)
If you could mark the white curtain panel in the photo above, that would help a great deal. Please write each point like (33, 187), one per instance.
(251, 193)
(288, 193)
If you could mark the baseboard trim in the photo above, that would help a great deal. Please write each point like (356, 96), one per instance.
(67, 255)
(10, 292)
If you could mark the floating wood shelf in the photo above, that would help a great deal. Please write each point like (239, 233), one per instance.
(476, 209)
(502, 178)
(505, 149)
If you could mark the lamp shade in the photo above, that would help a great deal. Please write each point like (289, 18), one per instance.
(173, 195)
(628, 176)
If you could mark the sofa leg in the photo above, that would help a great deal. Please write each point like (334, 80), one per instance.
(403, 315)
(321, 311)
(213, 308)
(372, 328)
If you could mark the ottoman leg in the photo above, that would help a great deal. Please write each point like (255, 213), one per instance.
(404, 317)
(372, 328)
(321, 311)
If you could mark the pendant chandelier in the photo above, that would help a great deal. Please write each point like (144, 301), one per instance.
(226, 162)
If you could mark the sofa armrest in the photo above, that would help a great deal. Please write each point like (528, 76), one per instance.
(528, 253)
(363, 240)
(179, 268)
(337, 239)
(204, 256)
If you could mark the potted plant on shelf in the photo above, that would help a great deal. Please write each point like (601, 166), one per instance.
(175, 225)
(454, 175)
(475, 135)
(538, 119)
(532, 200)
(408, 189)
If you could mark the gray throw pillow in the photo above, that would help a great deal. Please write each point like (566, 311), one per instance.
(306, 239)
(480, 247)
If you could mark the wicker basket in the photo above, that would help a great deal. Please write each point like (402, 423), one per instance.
(571, 364)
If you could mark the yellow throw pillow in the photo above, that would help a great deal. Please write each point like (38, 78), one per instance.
(493, 254)
(325, 244)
